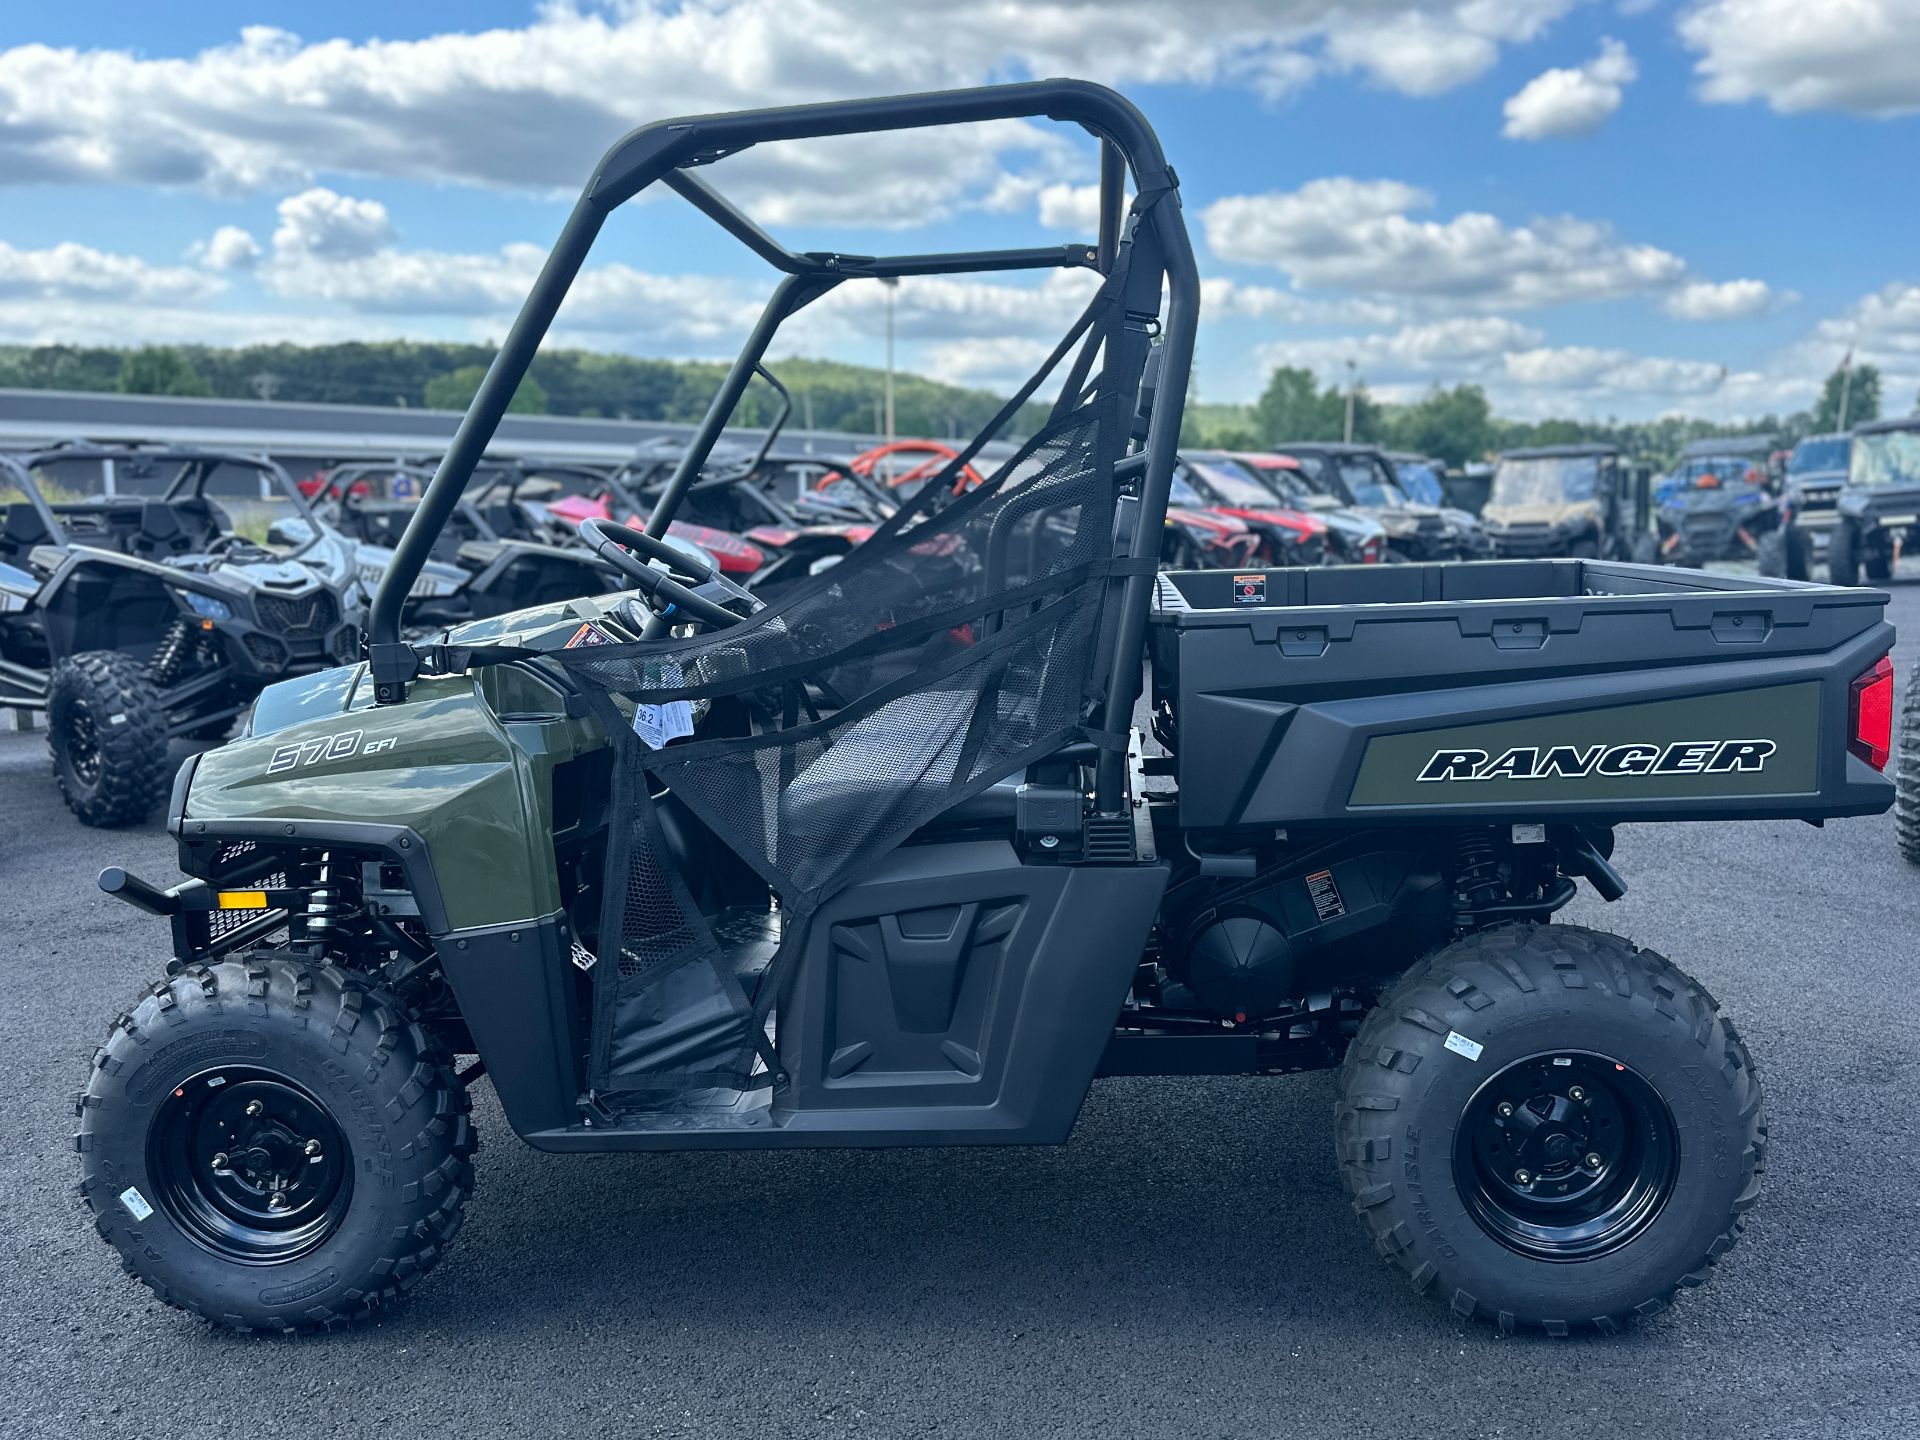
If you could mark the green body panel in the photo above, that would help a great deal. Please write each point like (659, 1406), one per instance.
(1786, 716)
(466, 762)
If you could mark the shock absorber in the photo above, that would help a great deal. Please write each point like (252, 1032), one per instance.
(171, 653)
(1476, 870)
(334, 912)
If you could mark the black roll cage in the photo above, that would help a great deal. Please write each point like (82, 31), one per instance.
(197, 467)
(670, 151)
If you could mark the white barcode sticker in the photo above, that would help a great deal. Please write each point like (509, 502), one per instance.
(657, 724)
(1460, 1045)
(136, 1203)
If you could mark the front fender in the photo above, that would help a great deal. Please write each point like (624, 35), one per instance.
(477, 791)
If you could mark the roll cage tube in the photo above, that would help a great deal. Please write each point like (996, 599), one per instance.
(669, 150)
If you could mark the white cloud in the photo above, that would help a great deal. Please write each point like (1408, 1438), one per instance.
(228, 248)
(79, 272)
(1459, 348)
(328, 226)
(1883, 326)
(989, 362)
(1564, 102)
(1357, 235)
(1585, 368)
(1850, 55)
(530, 107)
(1424, 51)
(1071, 207)
(1728, 300)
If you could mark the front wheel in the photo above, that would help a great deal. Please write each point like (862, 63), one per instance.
(273, 1145)
(1772, 554)
(1644, 549)
(108, 736)
(1549, 1129)
(1843, 556)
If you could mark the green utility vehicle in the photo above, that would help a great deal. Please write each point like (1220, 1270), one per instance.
(887, 863)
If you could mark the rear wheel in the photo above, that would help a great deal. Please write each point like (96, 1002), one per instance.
(272, 1145)
(1644, 549)
(1772, 554)
(1906, 805)
(1843, 556)
(1879, 565)
(108, 736)
(1585, 549)
(1550, 1129)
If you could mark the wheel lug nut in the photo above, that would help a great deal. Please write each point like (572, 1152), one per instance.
(255, 1108)
(1523, 1177)
(1576, 1094)
(1503, 1109)
(1593, 1162)
(276, 1201)
(312, 1147)
(220, 1161)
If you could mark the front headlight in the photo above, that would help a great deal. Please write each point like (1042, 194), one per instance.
(207, 607)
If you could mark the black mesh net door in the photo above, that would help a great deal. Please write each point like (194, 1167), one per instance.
(950, 651)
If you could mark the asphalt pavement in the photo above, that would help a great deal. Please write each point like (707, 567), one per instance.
(1187, 1265)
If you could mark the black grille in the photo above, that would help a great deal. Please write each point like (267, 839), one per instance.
(304, 617)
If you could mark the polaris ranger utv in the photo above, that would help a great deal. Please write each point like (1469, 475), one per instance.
(1878, 510)
(879, 865)
(139, 610)
(1578, 501)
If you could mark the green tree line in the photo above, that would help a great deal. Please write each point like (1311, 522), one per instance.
(1457, 424)
(1454, 424)
(443, 375)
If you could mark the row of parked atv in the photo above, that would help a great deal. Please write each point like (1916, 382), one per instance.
(150, 593)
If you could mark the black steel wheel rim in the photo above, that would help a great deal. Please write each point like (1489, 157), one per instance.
(250, 1165)
(83, 744)
(1566, 1155)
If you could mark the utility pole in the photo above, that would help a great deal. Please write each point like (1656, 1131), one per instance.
(806, 414)
(892, 283)
(1846, 386)
(1352, 380)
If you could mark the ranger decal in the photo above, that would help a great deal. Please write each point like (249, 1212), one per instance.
(1533, 762)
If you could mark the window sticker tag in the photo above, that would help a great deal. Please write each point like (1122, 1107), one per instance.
(136, 1203)
(657, 724)
(1460, 1045)
(588, 634)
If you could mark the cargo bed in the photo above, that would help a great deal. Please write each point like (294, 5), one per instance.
(1511, 689)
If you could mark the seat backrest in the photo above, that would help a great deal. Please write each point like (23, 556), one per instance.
(24, 529)
(161, 533)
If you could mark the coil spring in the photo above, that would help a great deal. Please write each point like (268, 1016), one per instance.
(171, 653)
(1476, 867)
(332, 887)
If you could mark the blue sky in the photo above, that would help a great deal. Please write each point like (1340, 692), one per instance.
(1589, 208)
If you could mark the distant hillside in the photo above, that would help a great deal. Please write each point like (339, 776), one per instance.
(827, 395)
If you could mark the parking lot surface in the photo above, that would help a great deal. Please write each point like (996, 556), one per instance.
(1187, 1265)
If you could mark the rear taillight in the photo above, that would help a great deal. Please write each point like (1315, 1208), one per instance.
(1870, 714)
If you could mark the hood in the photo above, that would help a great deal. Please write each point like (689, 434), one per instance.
(1562, 513)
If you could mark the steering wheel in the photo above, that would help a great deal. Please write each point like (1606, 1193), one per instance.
(686, 586)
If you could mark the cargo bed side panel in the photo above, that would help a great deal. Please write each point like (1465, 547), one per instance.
(1616, 695)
